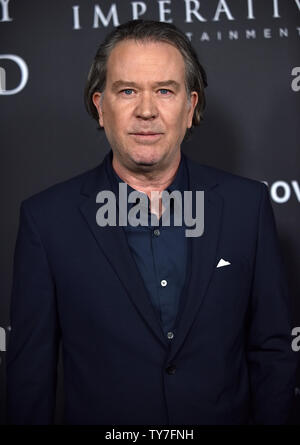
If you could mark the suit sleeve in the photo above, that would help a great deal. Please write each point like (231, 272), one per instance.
(33, 343)
(272, 362)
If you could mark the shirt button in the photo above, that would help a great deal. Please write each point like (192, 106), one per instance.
(170, 335)
(156, 232)
(171, 369)
(163, 283)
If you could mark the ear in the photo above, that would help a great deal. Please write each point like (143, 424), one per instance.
(192, 105)
(96, 100)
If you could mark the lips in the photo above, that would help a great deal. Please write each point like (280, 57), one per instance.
(144, 133)
(146, 137)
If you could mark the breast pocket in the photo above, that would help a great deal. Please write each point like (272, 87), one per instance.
(231, 279)
(236, 265)
(228, 291)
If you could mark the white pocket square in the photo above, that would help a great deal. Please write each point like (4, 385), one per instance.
(222, 263)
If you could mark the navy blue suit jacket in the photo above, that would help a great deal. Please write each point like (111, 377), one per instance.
(231, 360)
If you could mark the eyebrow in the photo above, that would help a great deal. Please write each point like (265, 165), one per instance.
(121, 83)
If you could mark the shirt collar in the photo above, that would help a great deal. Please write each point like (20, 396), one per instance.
(180, 182)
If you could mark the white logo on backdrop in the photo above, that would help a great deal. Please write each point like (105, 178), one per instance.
(24, 74)
(296, 81)
(281, 191)
(192, 12)
(2, 79)
(5, 13)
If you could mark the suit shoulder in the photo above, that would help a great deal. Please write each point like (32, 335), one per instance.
(227, 180)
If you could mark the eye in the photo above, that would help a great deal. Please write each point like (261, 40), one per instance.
(127, 91)
(165, 91)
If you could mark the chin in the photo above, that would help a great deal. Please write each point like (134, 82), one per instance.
(146, 163)
(146, 160)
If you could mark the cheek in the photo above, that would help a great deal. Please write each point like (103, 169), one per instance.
(114, 120)
(177, 120)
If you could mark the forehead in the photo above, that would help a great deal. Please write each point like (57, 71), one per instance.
(145, 61)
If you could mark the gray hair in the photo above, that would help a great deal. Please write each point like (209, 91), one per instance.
(147, 31)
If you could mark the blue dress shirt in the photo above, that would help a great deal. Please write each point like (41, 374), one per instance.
(161, 252)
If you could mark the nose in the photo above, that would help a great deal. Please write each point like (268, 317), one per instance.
(146, 107)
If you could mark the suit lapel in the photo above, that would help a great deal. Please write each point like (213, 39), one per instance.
(203, 250)
(113, 243)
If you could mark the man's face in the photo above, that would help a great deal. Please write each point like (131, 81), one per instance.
(145, 109)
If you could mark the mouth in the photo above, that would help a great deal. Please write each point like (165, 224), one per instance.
(146, 136)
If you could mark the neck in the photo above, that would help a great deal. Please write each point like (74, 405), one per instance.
(147, 181)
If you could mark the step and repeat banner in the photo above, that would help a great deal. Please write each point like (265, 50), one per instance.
(251, 127)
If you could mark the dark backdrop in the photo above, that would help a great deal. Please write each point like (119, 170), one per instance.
(250, 49)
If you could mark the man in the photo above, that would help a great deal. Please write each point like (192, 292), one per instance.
(156, 327)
